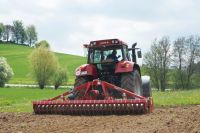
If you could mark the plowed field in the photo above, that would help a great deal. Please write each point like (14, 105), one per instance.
(162, 120)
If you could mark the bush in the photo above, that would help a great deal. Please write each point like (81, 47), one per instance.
(42, 43)
(60, 77)
(6, 72)
(44, 65)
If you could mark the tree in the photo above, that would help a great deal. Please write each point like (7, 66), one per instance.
(31, 34)
(192, 55)
(8, 32)
(23, 36)
(157, 62)
(197, 68)
(44, 65)
(6, 72)
(164, 60)
(19, 32)
(179, 51)
(60, 77)
(42, 43)
(186, 53)
(1, 30)
(152, 64)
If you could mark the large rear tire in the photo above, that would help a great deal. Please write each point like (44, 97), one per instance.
(132, 82)
(80, 81)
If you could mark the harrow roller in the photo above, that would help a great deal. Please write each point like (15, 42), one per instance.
(91, 107)
(88, 105)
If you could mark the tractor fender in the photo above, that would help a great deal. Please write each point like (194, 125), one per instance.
(126, 66)
(86, 70)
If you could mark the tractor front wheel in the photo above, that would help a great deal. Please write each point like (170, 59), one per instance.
(132, 82)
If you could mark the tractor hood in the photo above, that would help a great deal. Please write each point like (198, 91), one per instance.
(86, 69)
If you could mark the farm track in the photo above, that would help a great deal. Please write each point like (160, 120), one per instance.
(184, 119)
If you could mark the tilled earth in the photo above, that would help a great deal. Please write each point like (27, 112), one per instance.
(162, 120)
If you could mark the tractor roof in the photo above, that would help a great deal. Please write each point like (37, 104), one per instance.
(103, 43)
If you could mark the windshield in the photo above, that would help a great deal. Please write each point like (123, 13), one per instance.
(110, 55)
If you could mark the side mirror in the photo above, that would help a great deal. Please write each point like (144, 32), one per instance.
(133, 46)
(139, 54)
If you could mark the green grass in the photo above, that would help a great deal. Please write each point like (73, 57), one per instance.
(19, 99)
(17, 57)
(176, 98)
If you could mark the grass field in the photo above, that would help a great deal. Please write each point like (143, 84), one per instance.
(17, 57)
(19, 99)
(176, 98)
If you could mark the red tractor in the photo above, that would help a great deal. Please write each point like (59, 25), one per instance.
(110, 83)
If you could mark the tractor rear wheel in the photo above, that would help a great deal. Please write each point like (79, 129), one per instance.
(80, 81)
(132, 82)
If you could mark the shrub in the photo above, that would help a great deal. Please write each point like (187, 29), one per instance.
(60, 77)
(6, 72)
(44, 65)
(42, 43)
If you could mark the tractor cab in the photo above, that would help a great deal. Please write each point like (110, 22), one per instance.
(103, 51)
(106, 51)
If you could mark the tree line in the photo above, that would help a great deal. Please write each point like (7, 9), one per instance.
(18, 33)
(175, 63)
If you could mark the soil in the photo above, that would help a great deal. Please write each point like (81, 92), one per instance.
(162, 120)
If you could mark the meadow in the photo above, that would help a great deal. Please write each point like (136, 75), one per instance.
(20, 99)
(17, 57)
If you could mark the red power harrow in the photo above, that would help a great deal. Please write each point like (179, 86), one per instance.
(95, 101)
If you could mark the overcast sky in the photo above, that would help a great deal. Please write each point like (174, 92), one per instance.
(67, 24)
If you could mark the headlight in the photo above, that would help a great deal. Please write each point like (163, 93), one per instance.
(83, 73)
(79, 72)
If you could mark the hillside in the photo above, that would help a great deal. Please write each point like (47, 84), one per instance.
(17, 57)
